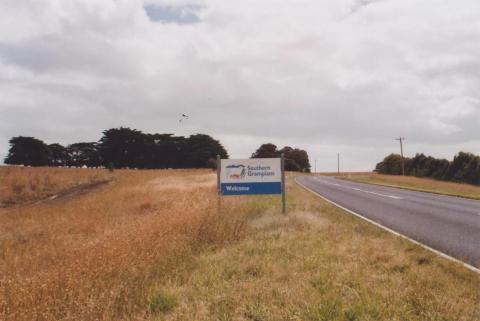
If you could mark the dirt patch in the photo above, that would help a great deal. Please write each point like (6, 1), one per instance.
(63, 195)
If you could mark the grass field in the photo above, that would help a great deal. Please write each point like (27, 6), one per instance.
(19, 185)
(151, 246)
(97, 256)
(418, 184)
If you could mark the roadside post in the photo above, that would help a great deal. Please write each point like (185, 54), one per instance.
(258, 176)
(284, 203)
(219, 191)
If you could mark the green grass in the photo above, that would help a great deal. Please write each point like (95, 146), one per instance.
(418, 184)
(319, 263)
(162, 302)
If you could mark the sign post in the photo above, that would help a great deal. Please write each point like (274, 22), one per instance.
(259, 176)
(284, 207)
(219, 191)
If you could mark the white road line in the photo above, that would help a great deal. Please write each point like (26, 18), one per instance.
(378, 194)
(446, 256)
(361, 190)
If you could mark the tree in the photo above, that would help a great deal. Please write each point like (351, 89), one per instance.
(457, 169)
(266, 151)
(167, 151)
(392, 164)
(121, 148)
(124, 148)
(58, 155)
(83, 154)
(200, 149)
(465, 167)
(472, 171)
(27, 151)
(295, 159)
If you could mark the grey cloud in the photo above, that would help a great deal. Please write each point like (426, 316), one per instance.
(290, 74)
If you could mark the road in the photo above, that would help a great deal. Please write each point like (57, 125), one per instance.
(447, 224)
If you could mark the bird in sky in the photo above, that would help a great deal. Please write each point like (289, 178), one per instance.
(183, 118)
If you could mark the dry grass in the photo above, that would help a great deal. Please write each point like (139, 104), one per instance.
(151, 246)
(20, 185)
(319, 263)
(95, 257)
(418, 184)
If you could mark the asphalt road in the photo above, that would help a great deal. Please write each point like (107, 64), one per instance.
(447, 224)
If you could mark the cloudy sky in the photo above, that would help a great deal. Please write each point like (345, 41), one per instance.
(327, 76)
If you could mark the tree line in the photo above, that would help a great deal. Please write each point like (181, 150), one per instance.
(120, 148)
(296, 160)
(464, 168)
(130, 148)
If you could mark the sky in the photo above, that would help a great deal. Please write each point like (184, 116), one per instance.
(327, 76)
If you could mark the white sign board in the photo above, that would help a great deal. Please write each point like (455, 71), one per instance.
(251, 176)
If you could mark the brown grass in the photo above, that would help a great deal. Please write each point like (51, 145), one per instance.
(151, 246)
(19, 185)
(320, 263)
(96, 257)
(418, 184)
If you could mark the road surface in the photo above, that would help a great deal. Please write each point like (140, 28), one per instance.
(447, 224)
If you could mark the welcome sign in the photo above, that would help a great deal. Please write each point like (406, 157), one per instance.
(250, 176)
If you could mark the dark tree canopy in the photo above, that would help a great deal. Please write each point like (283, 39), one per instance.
(83, 154)
(27, 151)
(465, 167)
(58, 155)
(295, 159)
(124, 148)
(266, 151)
(200, 149)
(121, 148)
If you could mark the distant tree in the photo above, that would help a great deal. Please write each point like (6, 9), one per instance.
(465, 167)
(440, 168)
(392, 164)
(83, 154)
(125, 148)
(295, 159)
(266, 151)
(121, 148)
(167, 151)
(58, 155)
(200, 149)
(27, 151)
(457, 169)
(471, 172)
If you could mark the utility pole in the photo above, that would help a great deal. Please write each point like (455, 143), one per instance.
(338, 163)
(401, 139)
(315, 166)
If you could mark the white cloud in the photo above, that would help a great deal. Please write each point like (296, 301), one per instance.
(301, 73)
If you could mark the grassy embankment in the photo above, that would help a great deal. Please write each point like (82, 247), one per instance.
(151, 246)
(20, 185)
(418, 184)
